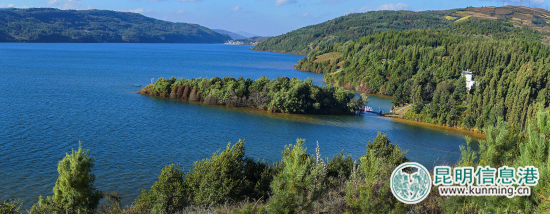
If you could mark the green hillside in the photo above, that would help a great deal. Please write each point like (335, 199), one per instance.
(349, 27)
(424, 67)
(54, 25)
(354, 26)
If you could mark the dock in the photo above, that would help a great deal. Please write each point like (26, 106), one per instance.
(368, 109)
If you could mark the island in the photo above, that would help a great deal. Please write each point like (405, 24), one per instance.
(282, 95)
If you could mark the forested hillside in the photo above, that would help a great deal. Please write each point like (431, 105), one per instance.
(53, 25)
(349, 27)
(357, 25)
(424, 67)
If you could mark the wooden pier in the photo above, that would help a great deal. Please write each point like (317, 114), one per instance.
(379, 113)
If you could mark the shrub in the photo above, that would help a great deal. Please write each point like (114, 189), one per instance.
(340, 166)
(10, 207)
(167, 195)
(368, 190)
(259, 176)
(219, 178)
(300, 182)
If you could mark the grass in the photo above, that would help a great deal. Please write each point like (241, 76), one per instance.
(328, 56)
(462, 12)
(450, 17)
(463, 18)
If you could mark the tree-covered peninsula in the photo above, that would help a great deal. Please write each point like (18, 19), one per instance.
(90, 26)
(278, 95)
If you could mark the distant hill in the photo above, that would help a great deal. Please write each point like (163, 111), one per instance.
(231, 34)
(354, 26)
(54, 25)
(252, 40)
(247, 35)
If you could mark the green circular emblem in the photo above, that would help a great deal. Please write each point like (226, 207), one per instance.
(412, 185)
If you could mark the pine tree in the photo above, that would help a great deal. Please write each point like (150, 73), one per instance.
(74, 190)
(300, 181)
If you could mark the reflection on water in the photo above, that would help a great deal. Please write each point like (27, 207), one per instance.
(428, 144)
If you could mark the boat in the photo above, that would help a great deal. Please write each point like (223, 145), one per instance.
(137, 85)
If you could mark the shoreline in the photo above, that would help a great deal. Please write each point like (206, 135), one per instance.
(290, 53)
(470, 133)
(301, 117)
(232, 106)
(405, 120)
(308, 117)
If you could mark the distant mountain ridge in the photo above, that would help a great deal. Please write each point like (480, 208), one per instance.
(231, 34)
(353, 26)
(94, 26)
(247, 35)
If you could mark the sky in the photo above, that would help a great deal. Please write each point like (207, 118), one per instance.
(259, 17)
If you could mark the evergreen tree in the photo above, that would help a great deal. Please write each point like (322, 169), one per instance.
(300, 181)
(167, 195)
(74, 190)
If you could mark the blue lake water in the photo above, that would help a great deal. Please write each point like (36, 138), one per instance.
(54, 95)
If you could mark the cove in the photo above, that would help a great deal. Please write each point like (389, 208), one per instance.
(54, 95)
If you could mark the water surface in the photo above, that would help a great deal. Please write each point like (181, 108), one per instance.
(55, 95)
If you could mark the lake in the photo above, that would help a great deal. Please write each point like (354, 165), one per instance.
(55, 95)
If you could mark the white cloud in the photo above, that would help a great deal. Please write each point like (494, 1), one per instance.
(139, 10)
(89, 7)
(188, 0)
(65, 4)
(180, 12)
(12, 5)
(359, 10)
(364, 9)
(305, 14)
(398, 6)
(283, 2)
(239, 9)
